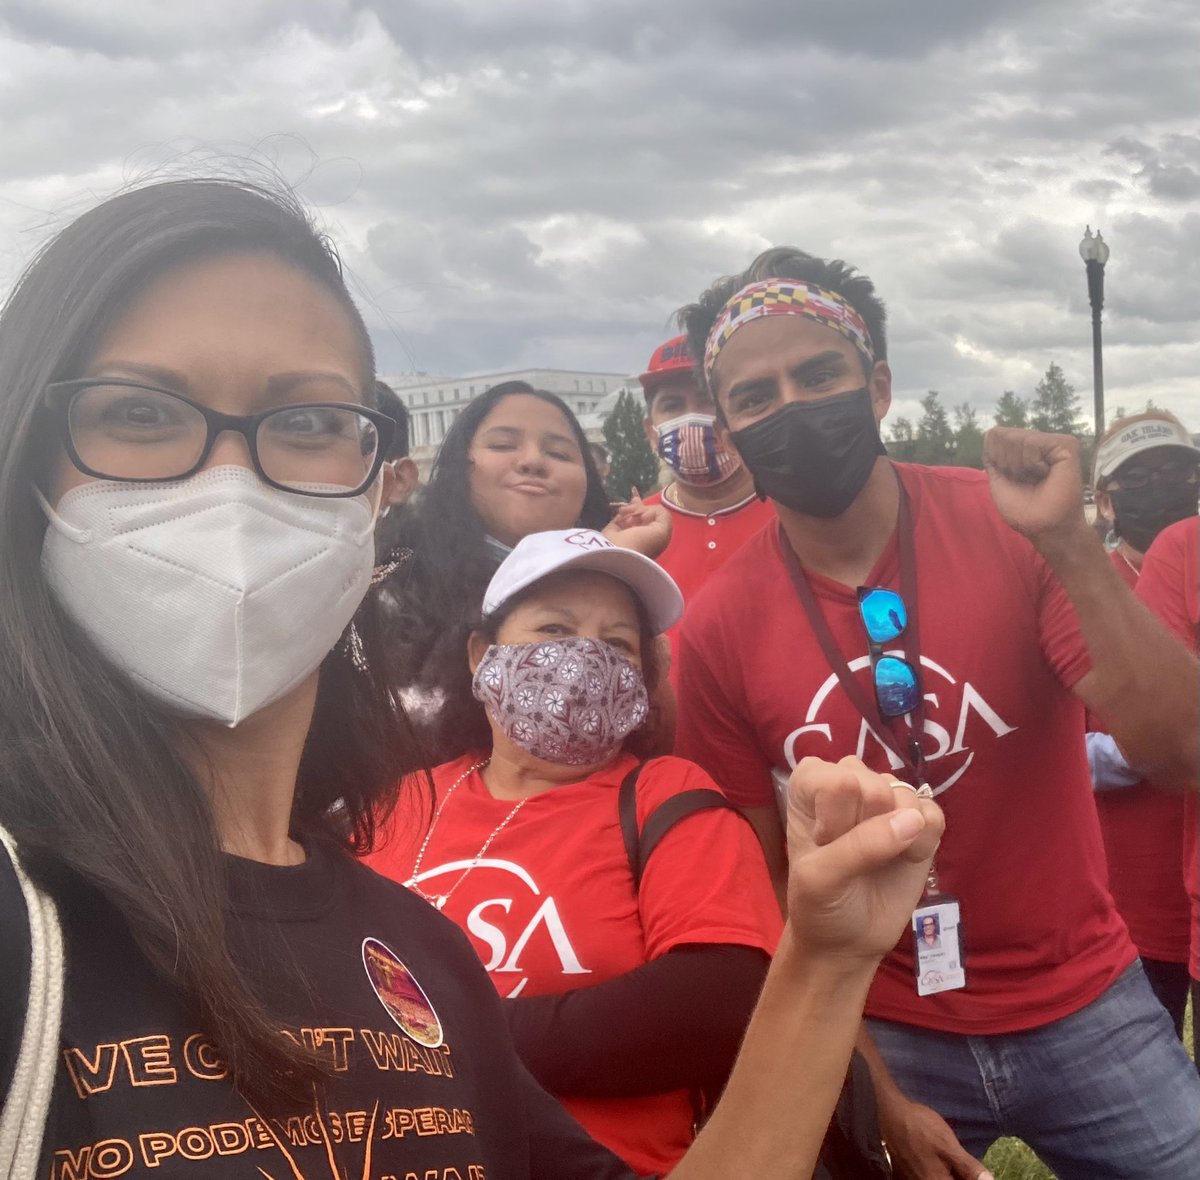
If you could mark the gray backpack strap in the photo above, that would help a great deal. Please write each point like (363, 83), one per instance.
(27, 1103)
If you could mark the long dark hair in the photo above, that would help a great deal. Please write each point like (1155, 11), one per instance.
(93, 779)
(438, 598)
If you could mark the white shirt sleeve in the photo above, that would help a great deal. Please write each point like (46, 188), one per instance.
(1109, 769)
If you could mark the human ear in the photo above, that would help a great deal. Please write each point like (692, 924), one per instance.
(879, 383)
(477, 645)
(404, 479)
(725, 436)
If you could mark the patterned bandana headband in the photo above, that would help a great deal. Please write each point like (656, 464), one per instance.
(787, 297)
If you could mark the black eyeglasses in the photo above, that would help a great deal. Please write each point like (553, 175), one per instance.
(1176, 471)
(884, 615)
(123, 430)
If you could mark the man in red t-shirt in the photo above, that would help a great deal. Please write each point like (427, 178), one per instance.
(1147, 477)
(1170, 586)
(713, 505)
(986, 616)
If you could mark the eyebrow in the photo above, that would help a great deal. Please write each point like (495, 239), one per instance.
(283, 383)
(518, 432)
(664, 395)
(829, 357)
(156, 374)
(800, 371)
(278, 386)
(565, 612)
(624, 627)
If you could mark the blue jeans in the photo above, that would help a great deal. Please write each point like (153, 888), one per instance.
(1107, 1093)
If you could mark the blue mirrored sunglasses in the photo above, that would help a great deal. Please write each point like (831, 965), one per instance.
(885, 617)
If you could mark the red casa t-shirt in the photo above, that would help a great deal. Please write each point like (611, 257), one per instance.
(1143, 830)
(552, 907)
(701, 543)
(1004, 744)
(1170, 586)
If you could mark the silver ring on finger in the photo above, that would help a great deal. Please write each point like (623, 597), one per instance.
(924, 791)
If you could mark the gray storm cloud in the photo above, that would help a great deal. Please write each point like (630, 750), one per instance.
(526, 183)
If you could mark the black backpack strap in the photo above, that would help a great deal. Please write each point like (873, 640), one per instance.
(627, 813)
(639, 845)
(667, 814)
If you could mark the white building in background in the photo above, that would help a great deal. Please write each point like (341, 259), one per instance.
(434, 402)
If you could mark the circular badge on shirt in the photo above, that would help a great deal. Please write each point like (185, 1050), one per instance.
(402, 996)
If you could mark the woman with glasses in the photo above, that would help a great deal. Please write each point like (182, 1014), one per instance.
(196, 978)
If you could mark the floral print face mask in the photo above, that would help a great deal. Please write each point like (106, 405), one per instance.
(571, 701)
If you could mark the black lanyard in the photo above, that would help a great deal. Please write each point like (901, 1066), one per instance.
(909, 752)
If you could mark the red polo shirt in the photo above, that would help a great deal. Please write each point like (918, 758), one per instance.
(1170, 586)
(702, 542)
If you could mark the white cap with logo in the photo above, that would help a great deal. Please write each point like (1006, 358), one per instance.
(540, 554)
(1142, 432)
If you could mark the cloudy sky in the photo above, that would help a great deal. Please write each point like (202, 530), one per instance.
(521, 182)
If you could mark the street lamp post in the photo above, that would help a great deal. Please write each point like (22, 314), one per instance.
(1094, 252)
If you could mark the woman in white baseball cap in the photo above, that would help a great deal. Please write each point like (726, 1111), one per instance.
(627, 997)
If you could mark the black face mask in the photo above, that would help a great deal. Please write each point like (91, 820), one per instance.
(1143, 513)
(813, 457)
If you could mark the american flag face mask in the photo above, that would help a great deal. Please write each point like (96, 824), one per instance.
(689, 446)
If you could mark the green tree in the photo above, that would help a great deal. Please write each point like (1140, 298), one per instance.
(935, 439)
(1055, 405)
(1012, 410)
(634, 464)
(968, 437)
(1122, 412)
(902, 445)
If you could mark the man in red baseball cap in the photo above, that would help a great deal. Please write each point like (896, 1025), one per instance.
(711, 499)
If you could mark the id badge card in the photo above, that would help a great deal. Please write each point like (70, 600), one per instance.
(937, 938)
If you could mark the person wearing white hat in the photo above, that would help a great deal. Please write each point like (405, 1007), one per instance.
(526, 852)
(1146, 477)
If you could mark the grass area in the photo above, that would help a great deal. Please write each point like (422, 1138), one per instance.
(1010, 1159)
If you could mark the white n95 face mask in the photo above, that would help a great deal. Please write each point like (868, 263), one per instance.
(217, 594)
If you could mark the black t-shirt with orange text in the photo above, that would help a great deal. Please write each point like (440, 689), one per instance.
(425, 1083)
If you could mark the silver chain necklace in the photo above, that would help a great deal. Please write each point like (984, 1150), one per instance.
(438, 901)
